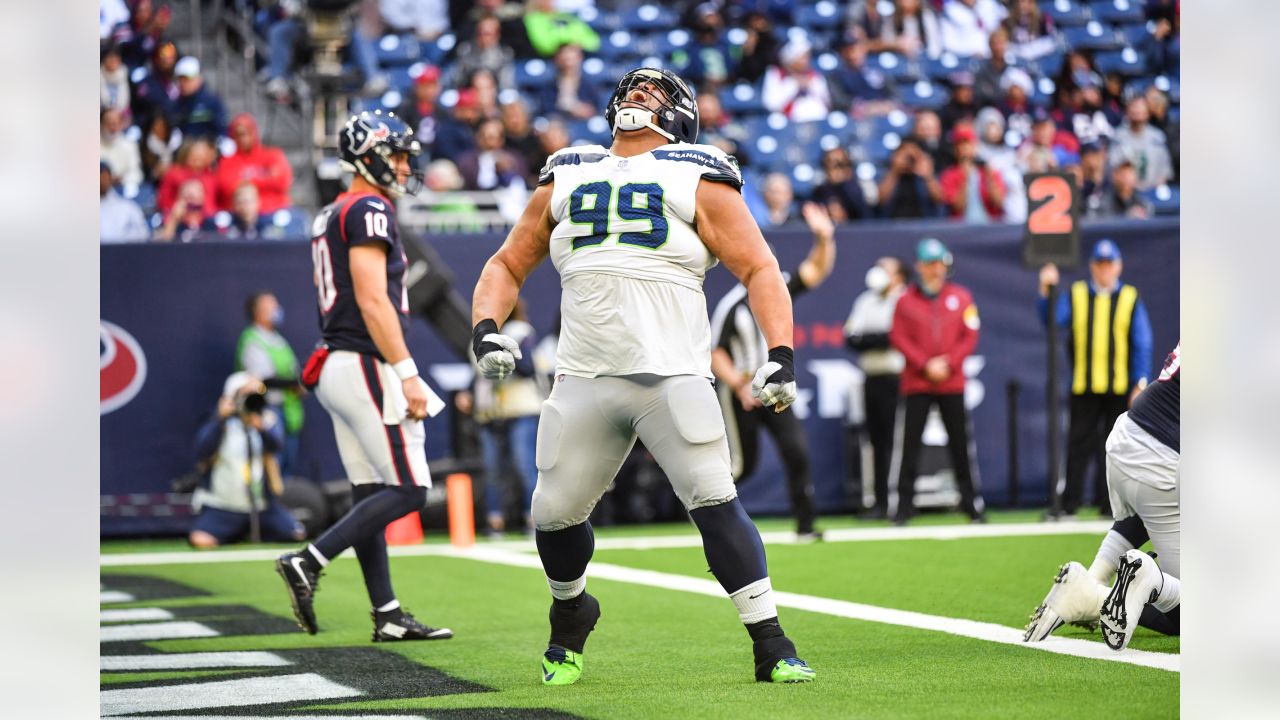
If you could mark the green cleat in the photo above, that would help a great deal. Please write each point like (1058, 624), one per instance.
(562, 667)
(792, 670)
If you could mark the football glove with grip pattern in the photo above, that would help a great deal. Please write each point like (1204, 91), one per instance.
(775, 382)
(496, 354)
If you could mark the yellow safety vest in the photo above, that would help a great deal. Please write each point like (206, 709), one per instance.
(1100, 339)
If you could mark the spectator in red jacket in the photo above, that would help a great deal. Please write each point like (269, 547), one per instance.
(194, 161)
(265, 167)
(971, 190)
(935, 327)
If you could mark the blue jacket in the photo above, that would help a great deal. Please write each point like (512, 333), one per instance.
(201, 114)
(1140, 339)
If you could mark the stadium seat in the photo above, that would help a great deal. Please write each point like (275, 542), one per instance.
(742, 99)
(594, 130)
(616, 46)
(1118, 11)
(804, 177)
(402, 78)
(537, 73)
(1170, 86)
(941, 68)
(398, 50)
(765, 153)
(897, 122)
(1126, 62)
(649, 17)
(1165, 199)
(1135, 35)
(293, 221)
(436, 51)
(823, 14)
(1092, 36)
(672, 40)
(1066, 13)
(878, 150)
(599, 72)
(922, 94)
(602, 21)
(895, 67)
(1174, 114)
(1048, 65)
(1044, 90)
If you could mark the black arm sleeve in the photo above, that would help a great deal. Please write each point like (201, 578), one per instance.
(795, 285)
(867, 341)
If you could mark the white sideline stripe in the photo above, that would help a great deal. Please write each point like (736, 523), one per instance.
(114, 596)
(926, 532)
(155, 631)
(223, 693)
(135, 615)
(272, 717)
(190, 661)
(855, 611)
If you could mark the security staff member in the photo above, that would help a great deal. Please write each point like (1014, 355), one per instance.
(867, 332)
(935, 327)
(1110, 350)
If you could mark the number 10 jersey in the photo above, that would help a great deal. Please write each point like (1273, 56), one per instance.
(630, 261)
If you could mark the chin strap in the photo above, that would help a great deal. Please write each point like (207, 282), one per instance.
(631, 119)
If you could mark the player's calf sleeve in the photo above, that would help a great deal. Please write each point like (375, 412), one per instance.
(371, 515)
(372, 554)
(734, 552)
(1170, 595)
(565, 554)
(1123, 536)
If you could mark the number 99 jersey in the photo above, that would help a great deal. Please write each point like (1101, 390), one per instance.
(630, 261)
(354, 219)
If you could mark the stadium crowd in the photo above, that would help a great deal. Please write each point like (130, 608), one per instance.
(877, 109)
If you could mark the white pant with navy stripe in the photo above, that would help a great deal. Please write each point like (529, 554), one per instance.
(353, 388)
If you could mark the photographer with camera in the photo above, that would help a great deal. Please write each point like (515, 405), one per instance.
(240, 478)
(909, 189)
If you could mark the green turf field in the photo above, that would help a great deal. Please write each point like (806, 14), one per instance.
(657, 651)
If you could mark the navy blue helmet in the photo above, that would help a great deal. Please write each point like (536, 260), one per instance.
(367, 142)
(677, 117)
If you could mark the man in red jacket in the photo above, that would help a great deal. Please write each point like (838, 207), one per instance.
(265, 167)
(935, 327)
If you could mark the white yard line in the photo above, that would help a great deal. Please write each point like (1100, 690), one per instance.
(855, 611)
(654, 542)
(517, 554)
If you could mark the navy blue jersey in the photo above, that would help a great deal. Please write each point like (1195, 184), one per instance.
(354, 219)
(1157, 408)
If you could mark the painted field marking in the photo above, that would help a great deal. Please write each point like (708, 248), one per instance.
(191, 661)
(114, 596)
(856, 611)
(224, 693)
(155, 631)
(135, 615)
(692, 540)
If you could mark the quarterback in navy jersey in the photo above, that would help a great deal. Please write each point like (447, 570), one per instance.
(363, 375)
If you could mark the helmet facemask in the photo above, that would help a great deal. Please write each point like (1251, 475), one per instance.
(676, 116)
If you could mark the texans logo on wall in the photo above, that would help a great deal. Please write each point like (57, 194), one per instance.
(122, 367)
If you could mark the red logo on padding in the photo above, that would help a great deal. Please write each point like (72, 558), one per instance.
(122, 367)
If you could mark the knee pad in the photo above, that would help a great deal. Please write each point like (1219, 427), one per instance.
(1132, 529)
(547, 448)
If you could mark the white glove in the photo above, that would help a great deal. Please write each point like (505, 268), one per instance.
(774, 386)
(496, 355)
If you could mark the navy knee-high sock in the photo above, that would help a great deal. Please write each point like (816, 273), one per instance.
(732, 544)
(372, 554)
(370, 516)
(1168, 623)
(566, 552)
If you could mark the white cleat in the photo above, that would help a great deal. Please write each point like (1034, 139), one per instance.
(1075, 598)
(1138, 582)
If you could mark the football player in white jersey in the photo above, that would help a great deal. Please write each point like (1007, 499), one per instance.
(632, 229)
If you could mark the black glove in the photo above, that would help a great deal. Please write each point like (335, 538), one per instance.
(775, 381)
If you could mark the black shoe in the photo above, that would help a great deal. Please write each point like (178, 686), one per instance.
(978, 519)
(301, 578)
(808, 536)
(572, 621)
(398, 624)
(900, 520)
(875, 513)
